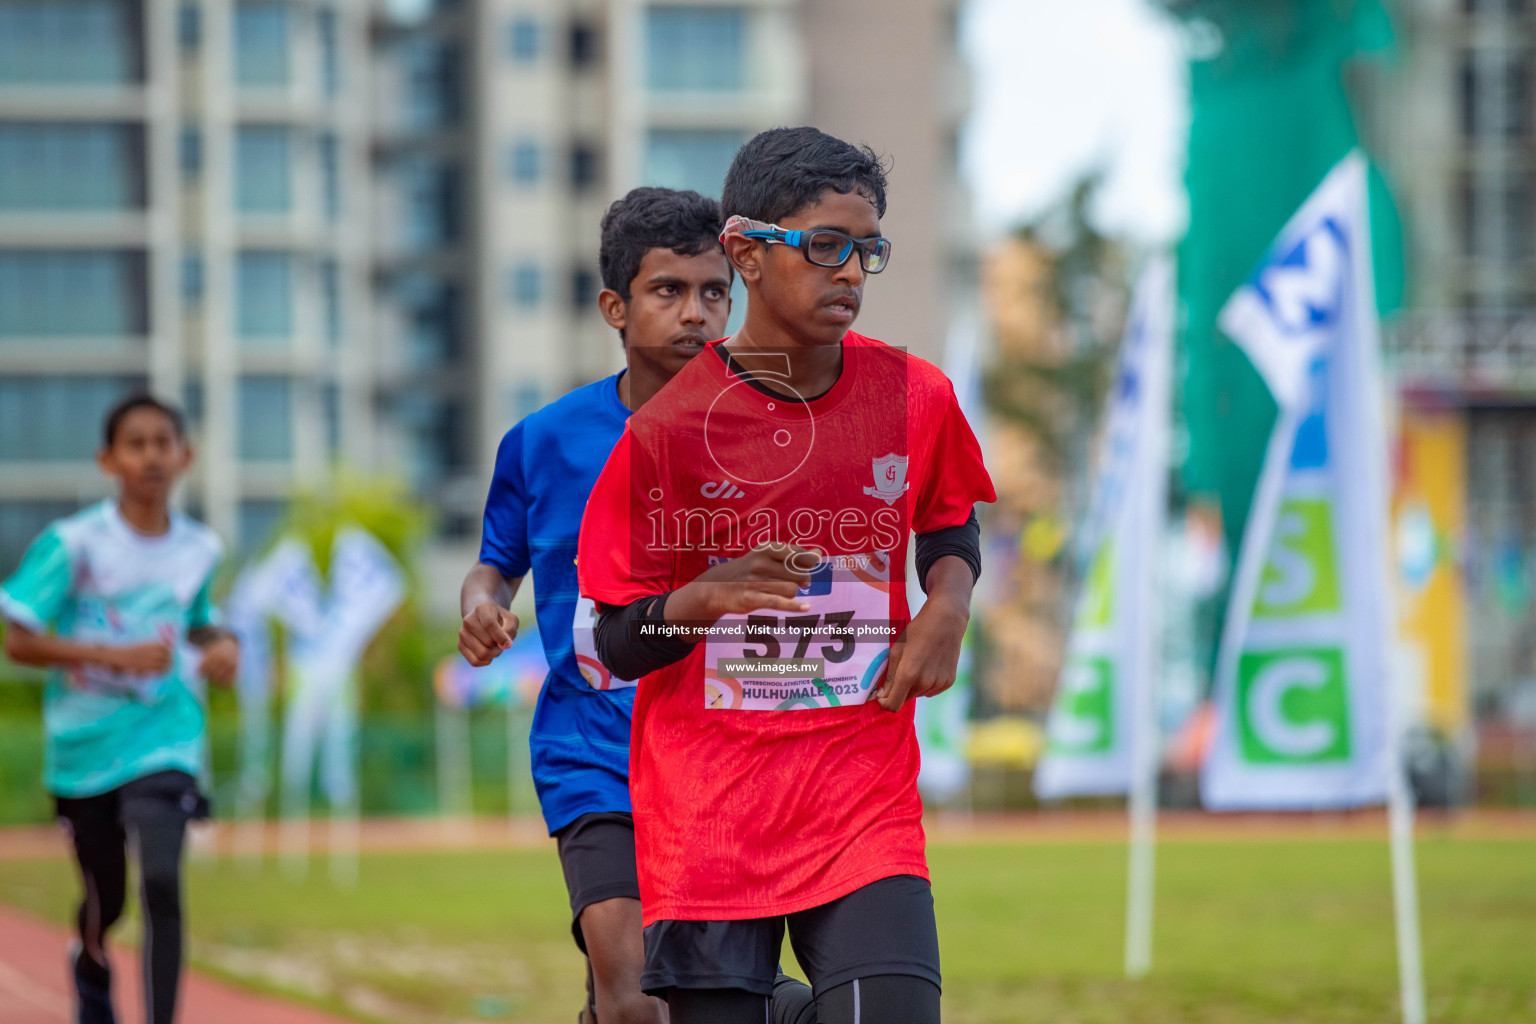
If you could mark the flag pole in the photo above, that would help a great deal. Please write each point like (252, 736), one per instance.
(1141, 875)
(1143, 844)
(1145, 734)
(1400, 826)
(1400, 798)
(1405, 894)
(1405, 876)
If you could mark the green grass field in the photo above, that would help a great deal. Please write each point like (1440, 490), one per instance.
(1256, 931)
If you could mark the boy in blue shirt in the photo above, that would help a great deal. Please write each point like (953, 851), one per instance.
(114, 600)
(666, 290)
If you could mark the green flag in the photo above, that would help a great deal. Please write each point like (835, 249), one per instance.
(1270, 115)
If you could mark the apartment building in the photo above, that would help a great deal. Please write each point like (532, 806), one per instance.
(364, 232)
(180, 209)
(1456, 128)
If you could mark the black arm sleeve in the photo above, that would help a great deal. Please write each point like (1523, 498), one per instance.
(625, 649)
(963, 541)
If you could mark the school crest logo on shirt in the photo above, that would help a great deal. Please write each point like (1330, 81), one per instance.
(890, 478)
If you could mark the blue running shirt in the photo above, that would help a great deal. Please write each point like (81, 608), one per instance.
(545, 469)
(91, 578)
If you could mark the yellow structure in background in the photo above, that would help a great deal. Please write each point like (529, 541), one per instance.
(1429, 517)
(1021, 616)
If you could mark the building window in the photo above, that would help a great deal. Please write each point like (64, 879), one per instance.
(1479, 74)
(192, 404)
(71, 166)
(429, 308)
(583, 44)
(330, 176)
(57, 418)
(435, 434)
(263, 169)
(524, 165)
(583, 290)
(326, 25)
(259, 521)
(690, 158)
(429, 191)
(585, 167)
(266, 418)
(695, 49)
(74, 42)
(1520, 221)
(52, 293)
(21, 522)
(525, 39)
(192, 279)
(1466, 94)
(527, 286)
(431, 69)
(1517, 95)
(189, 25)
(330, 415)
(523, 401)
(264, 296)
(191, 152)
(330, 297)
(262, 44)
(1496, 224)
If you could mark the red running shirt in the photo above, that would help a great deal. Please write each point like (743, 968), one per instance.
(763, 785)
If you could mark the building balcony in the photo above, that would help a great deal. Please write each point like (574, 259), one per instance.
(53, 354)
(72, 480)
(64, 229)
(42, 102)
(701, 109)
(1464, 355)
(290, 232)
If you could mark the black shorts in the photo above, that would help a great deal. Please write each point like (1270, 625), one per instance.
(885, 927)
(170, 791)
(597, 854)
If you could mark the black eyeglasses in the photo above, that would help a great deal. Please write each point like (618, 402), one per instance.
(828, 248)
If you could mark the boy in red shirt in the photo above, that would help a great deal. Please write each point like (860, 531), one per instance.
(747, 541)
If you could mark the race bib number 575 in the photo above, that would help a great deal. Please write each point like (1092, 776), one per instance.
(833, 655)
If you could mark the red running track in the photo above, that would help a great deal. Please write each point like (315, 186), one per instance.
(34, 985)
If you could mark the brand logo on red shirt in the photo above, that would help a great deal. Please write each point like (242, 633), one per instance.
(721, 489)
(890, 478)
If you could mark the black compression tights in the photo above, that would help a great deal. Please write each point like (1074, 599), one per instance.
(147, 818)
(881, 999)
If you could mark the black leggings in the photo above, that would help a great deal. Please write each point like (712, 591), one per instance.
(147, 816)
(880, 999)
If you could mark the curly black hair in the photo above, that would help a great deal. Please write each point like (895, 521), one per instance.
(140, 400)
(783, 170)
(654, 218)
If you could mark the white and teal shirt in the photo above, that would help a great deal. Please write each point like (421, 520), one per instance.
(93, 579)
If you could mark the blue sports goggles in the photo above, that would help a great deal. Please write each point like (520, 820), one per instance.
(828, 248)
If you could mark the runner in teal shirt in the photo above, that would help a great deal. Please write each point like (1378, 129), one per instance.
(114, 601)
(93, 579)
